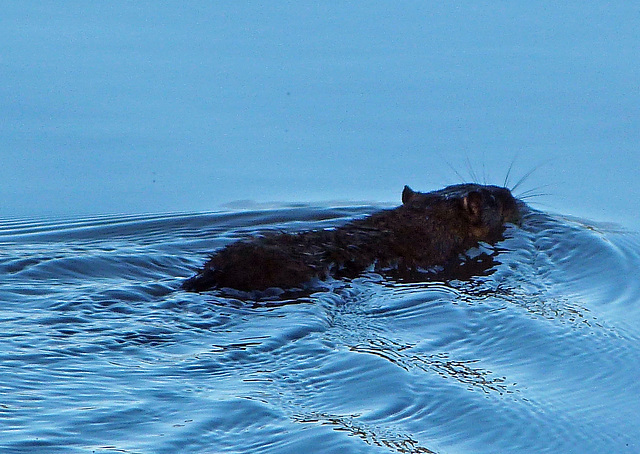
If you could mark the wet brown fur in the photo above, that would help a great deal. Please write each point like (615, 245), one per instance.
(426, 231)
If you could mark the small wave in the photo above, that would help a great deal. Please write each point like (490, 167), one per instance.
(539, 355)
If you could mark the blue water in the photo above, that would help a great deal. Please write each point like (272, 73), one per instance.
(147, 107)
(101, 352)
(109, 110)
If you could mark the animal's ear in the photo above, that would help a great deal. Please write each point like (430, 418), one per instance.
(472, 205)
(407, 195)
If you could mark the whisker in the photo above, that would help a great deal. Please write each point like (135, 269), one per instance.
(537, 194)
(528, 174)
(537, 203)
(506, 178)
(533, 190)
(524, 178)
(462, 179)
(484, 168)
(472, 173)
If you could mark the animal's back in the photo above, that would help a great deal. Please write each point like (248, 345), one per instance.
(427, 230)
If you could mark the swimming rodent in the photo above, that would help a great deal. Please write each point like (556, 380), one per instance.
(429, 230)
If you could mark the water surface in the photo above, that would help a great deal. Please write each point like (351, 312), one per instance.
(101, 352)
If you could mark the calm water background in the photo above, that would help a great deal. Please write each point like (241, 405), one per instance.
(140, 107)
(213, 111)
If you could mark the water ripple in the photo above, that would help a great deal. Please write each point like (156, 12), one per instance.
(101, 351)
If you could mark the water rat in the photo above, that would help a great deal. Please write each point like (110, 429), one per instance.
(428, 230)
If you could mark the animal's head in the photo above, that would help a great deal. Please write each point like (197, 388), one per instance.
(482, 209)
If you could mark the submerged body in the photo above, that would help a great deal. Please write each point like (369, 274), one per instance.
(428, 230)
